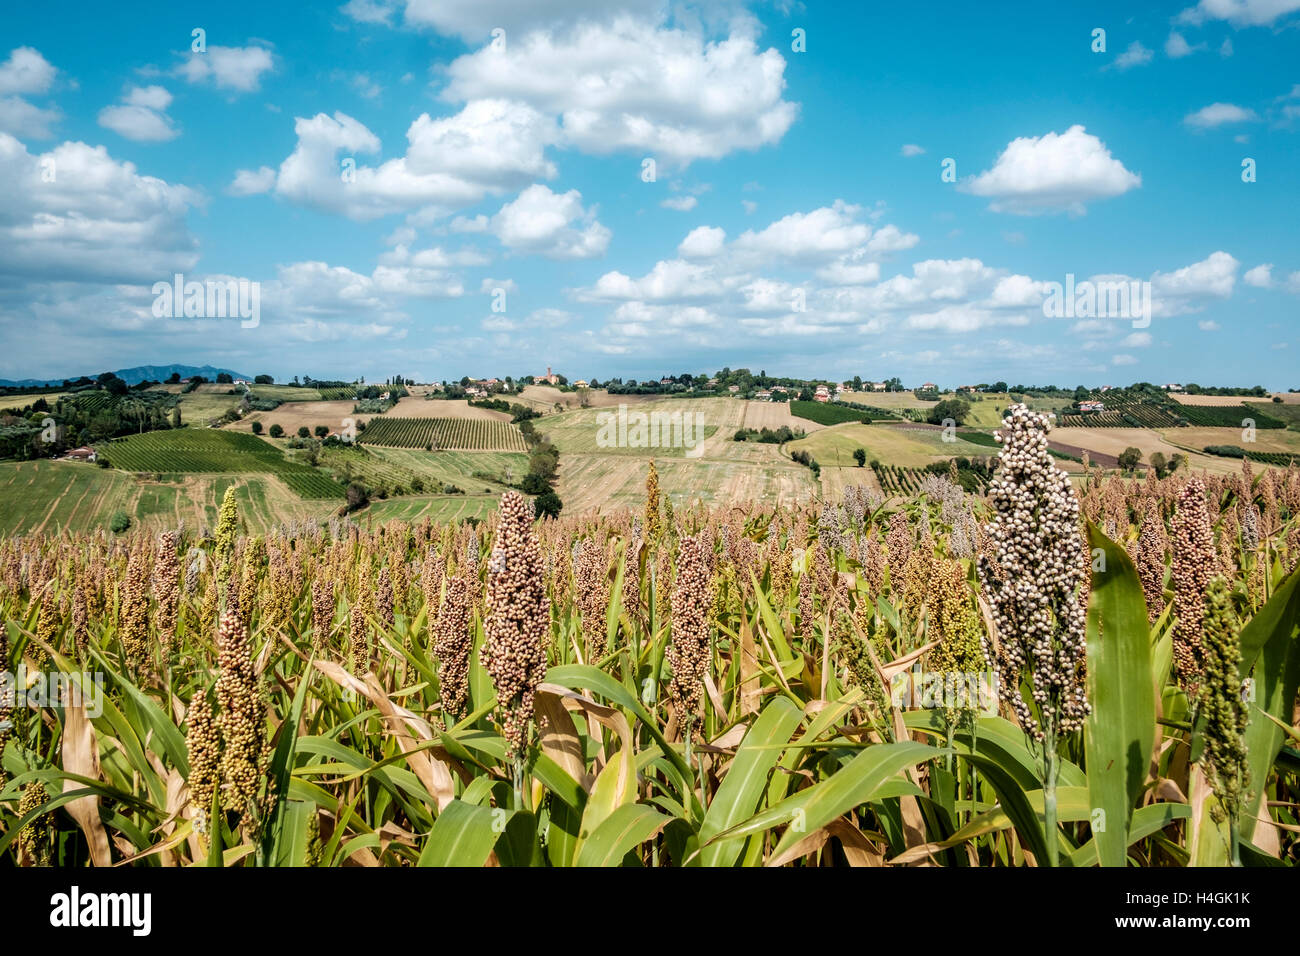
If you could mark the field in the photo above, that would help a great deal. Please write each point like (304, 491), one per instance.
(293, 415)
(774, 415)
(761, 685)
(907, 446)
(49, 496)
(1229, 416)
(20, 400)
(1289, 397)
(826, 413)
(394, 467)
(886, 399)
(218, 452)
(460, 434)
(416, 406)
(589, 430)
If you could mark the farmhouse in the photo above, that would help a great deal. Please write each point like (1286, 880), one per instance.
(580, 383)
(929, 387)
(1173, 388)
(548, 378)
(763, 396)
(81, 454)
(1092, 406)
(733, 389)
(823, 394)
(879, 386)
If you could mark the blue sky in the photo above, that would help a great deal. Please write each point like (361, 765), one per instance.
(798, 220)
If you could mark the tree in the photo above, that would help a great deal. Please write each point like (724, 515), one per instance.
(304, 431)
(176, 417)
(322, 431)
(955, 409)
(225, 378)
(263, 380)
(257, 428)
(534, 484)
(1159, 463)
(547, 505)
(174, 378)
(1130, 458)
(357, 496)
(860, 456)
(277, 431)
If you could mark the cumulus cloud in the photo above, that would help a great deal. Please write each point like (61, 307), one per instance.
(680, 203)
(631, 85)
(1176, 46)
(487, 148)
(251, 182)
(550, 224)
(228, 67)
(1135, 55)
(911, 149)
(1053, 173)
(473, 20)
(1261, 277)
(26, 73)
(96, 220)
(1219, 114)
(1123, 360)
(1240, 13)
(702, 242)
(141, 116)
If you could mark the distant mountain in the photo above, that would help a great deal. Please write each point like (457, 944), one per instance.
(133, 376)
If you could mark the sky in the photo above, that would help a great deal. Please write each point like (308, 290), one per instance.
(438, 188)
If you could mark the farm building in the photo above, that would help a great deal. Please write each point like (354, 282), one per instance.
(81, 454)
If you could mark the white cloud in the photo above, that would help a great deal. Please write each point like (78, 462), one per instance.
(1261, 277)
(749, 206)
(630, 85)
(1123, 360)
(486, 148)
(24, 119)
(1240, 13)
(550, 224)
(680, 203)
(228, 67)
(818, 235)
(911, 149)
(97, 221)
(1176, 46)
(141, 116)
(1218, 114)
(1212, 277)
(28, 73)
(671, 280)
(473, 20)
(1137, 340)
(250, 182)
(1051, 173)
(1135, 55)
(702, 242)
(1208, 325)
(1293, 282)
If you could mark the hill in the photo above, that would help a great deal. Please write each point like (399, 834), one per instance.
(132, 376)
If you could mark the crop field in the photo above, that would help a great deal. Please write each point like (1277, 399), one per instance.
(458, 434)
(604, 483)
(283, 393)
(672, 685)
(219, 452)
(903, 445)
(596, 431)
(887, 399)
(1230, 399)
(293, 415)
(20, 400)
(393, 468)
(827, 413)
(1126, 415)
(1229, 416)
(775, 415)
(48, 496)
(417, 406)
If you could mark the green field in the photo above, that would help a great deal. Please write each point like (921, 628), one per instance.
(48, 496)
(206, 450)
(670, 428)
(290, 393)
(826, 413)
(396, 467)
(902, 446)
(462, 434)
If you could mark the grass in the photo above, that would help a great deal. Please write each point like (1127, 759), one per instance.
(452, 433)
(206, 450)
(825, 413)
(587, 431)
(50, 496)
(906, 447)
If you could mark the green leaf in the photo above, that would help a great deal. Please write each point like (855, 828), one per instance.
(627, 827)
(743, 786)
(1268, 644)
(463, 835)
(1120, 732)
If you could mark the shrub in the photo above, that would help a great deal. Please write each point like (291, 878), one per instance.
(257, 428)
(277, 431)
(120, 522)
